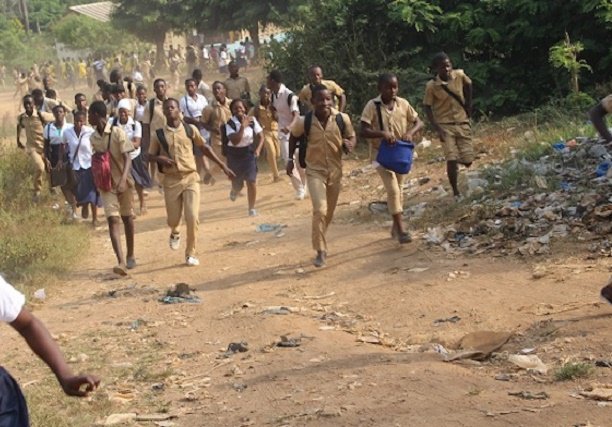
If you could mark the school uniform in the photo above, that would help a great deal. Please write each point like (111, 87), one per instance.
(606, 103)
(305, 94)
(238, 88)
(48, 105)
(204, 89)
(192, 108)
(156, 120)
(451, 116)
(241, 157)
(215, 115)
(115, 204)
(398, 120)
(139, 169)
(80, 152)
(181, 180)
(35, 144)
(323, 170)
(54, 134)
(270, 136)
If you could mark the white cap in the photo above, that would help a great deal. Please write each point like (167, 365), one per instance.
(124, 103)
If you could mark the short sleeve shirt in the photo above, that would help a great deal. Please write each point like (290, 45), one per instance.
(133, 130)
(607, 103)
(180, 147)
(237, 87)
(119, 145)
(215, 115)
(306, 93)
(398, 120)
(286, 104)
(158, 120)
(82, 159)
(34, 127)
(193, 107)
(11, 302)
(445, 108)
(55, 134)
(248, 136)
(265, 117)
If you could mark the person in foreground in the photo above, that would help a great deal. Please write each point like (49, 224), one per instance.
(13, 407)
(597, 115)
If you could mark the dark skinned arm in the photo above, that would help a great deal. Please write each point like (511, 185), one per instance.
(434, 124)
(19, 144)
(208, 152)
(368, 132)
(467, 96)
(146, 135)
(127, 164)
(342, 102)
(418, 124)
(597, 116)
(293, 142)
(39, 340)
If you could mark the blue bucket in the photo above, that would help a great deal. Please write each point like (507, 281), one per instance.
(396, 157)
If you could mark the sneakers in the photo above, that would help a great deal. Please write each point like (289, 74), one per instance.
(174, 241)
(320, 260)
(300, 194)
(209, 179)
(252, 212)
(192, 261)
(233, 195)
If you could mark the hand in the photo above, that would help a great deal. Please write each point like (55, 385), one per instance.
(20, 145)
(122, 187)
(47, 165)
(442, 134)
(389, 137)
(409, 136)
(165, 161)
(73, 385)
(348, 145)
(230, 173)
(257, 153)
(285, 130)
(246, 121)
(59, 165)
(290, 167)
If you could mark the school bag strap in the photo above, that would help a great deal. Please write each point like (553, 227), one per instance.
(378, 105)
(151, 109)
(303, 141)
(161, 136)
(455, 97)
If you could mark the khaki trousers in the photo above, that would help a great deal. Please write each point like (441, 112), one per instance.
(37, 167)
(272, 151)
(393, 183)
(182, 196)
(324, 190)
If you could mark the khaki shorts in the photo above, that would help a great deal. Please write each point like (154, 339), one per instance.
(458, 145)
(117, 204)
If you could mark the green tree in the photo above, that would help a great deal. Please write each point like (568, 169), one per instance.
(564, 55)
(81, 32)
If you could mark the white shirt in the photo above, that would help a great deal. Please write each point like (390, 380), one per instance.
(83, 158)
(137, 76)
(11, 302)
(247, 135)
(222, 58)
(205, 53)
(132, 130)
(284, 108)
(55, 134)
(139, 111)
(192, 107)
(204, 89)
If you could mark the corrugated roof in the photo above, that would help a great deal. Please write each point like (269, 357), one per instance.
(100, 11)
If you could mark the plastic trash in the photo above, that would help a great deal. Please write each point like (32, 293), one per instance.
(602, 169)
(40, 294)
(268, 228)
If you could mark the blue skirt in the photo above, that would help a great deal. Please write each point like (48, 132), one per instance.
(13, 407)
(242, 161)
(140, 172)
(85, 191)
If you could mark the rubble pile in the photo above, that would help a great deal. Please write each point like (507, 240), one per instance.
(570, 195)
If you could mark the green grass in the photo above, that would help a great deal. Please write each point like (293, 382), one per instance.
(571, 371)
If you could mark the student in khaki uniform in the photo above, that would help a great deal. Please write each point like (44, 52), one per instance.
(80, 104)
(42, 103)
(175, 157)
(597, 116)
(315, 77)
(448, 105)
(400, 122)
(32, 121)
(117, 202)
(237, 86)
(326, 143)
(153, 119)
(268, 118)
(216, 114)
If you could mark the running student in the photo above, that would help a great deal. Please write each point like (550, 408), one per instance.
(448, 105)
(154, 117)
(117, 202)
(237, 86)
(32, 122)
(244, 144)
(266, 115)
(13, 407)
(391, 118)
(315, 77)
(215, 115)
(172, 149)
(597, 116)
(328, 134)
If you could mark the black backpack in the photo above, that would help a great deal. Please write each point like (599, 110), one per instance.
(161, 136)
(224, 137)
(303, 140)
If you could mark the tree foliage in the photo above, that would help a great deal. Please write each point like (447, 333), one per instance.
(81, 32)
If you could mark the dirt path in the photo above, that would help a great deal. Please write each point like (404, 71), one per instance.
(157, 358)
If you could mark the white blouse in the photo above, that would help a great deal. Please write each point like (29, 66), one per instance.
(82, 160)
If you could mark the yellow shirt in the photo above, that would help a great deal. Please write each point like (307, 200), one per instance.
(607, 103)
(324, 152)
(216, 114)
(181, 150)
(398, 120)
(158, 120)
(445, 108)
(33, 126)
(265, 117)
(237, 87)
(119, 145)
(305, 95)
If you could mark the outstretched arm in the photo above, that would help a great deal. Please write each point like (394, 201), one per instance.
(38, 338)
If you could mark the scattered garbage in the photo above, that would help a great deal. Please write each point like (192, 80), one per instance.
(541, 395)
(601, 392)
(282, 310)
(479, 345)
(529, 362)
(235, 347)
(286, 341)
(180, 293)
(378, 207)
(269, 228)
(453, 319)
(40, 294)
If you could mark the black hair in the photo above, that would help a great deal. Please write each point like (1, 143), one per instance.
(27, 97)
(57, 107)
(236, 101)
(197, 74)
(386, 78)
(316, 89)
(100, 83)
(79, 114)
(115, 75)
(190, 80)
(141, 87)
(37, 92)
(99, 108)
(313, 66)
(263, 87)
(232, 63)
(276, 76)
(219, 82)
(438, 59)
(78, 95)
(51, 93)
(159, 80)
(168, 100)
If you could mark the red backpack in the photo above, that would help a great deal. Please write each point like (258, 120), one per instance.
(101, 168)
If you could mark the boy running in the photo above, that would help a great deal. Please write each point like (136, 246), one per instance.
(315, 77)
(597, 116)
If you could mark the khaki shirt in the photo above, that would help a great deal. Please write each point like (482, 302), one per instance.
(606, 103)
(216, 114)
(398, 120)
(265, 117)
(119, 145)
(236, 87)
(324, 152)
(158, 120)
(48, 105)
(446, 109)
(34, 126)
(181, 149)
(305, 95)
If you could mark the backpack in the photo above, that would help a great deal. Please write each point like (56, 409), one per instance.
(161, 136)
(101, 168)
(397, 157)
(224, 137)
(303, 140)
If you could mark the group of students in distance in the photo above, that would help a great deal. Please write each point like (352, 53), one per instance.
(174, 139)
(386, 119)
